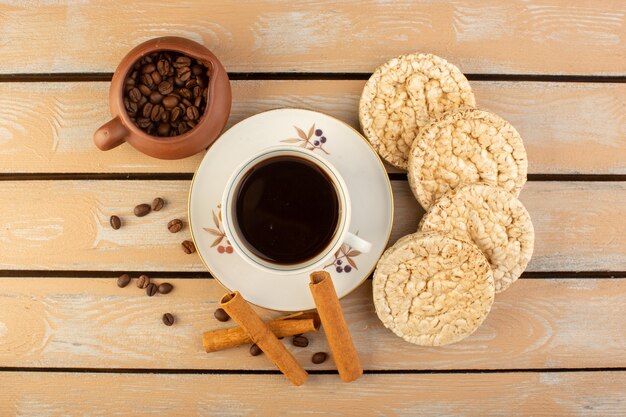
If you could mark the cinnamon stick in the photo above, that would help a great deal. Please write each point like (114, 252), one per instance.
(290, 325)
(335, 326)
(259, 332)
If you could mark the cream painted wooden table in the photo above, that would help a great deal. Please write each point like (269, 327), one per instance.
(72, 343)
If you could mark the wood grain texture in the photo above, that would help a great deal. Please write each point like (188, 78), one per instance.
(568, 128)
(64, 225)
(91, 323)
(503, 394)
(485, 36)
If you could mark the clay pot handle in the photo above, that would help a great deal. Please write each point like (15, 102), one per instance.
(110, 135)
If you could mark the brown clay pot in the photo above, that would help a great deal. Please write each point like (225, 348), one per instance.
(121, 129)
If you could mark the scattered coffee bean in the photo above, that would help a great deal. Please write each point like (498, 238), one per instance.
(188, 246)
(157, 204)
(221, 315)
(165, 288)
(255, 350)
(319, 357)
(300, 341)
(167, 90)
(123, 280)
(151, 289)
(168, 319)
(142, 209)
(115, 221)
(143, 281)
(175, 226)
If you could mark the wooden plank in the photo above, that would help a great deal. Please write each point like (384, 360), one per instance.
(485, 36)
(568, 128)
(91, 323)
(546, 394)
(64, 225)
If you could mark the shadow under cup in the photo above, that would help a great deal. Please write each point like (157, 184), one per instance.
(286, 210)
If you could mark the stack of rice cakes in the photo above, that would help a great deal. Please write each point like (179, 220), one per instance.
(466, 167)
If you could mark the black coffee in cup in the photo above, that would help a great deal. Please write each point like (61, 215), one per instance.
(286, 210)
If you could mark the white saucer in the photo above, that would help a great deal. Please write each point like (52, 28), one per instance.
(352, 155)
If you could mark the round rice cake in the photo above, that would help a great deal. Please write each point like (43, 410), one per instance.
(404, 95)
(433, 290)
(466, 146)
(494, 220)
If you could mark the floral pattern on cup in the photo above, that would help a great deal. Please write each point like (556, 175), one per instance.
(313, 140)
(344, 259)
(219, 233)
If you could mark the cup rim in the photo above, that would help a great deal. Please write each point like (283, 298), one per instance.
(344, 216)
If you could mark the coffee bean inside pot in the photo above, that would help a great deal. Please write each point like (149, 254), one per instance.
(166, 95)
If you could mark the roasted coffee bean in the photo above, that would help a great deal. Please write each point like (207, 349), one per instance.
(191, 124)
(191, 83)
(175, 114)
(146, 79)
(168, 319)
(165, 118)
(192, 113)
(156, 77)
(166, 87)
(143, 122)
(147, 110)
(145, 90)
(185, 93)
(142, 102)
(183, 128)
(123, 280)
(156, 113)
(221, 315)
(183, 73)
(201, 82)
(175, 226)
(115, 222)
(165, 288)
(319, 357)
(197, 91)
(178, 82)
(170, 101)
(300, 341)
(151, 290)
(188, 246)
(197, 69)
(164, 128)
(134, 94)
(163, 66)
(186, 102)
(197, 101)
(143, 281)
(142, 209)
(157, 204)
(255, 350)
(182, 61)
(148, 68)
(156, 97)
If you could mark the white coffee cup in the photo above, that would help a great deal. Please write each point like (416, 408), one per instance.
(342, 234)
